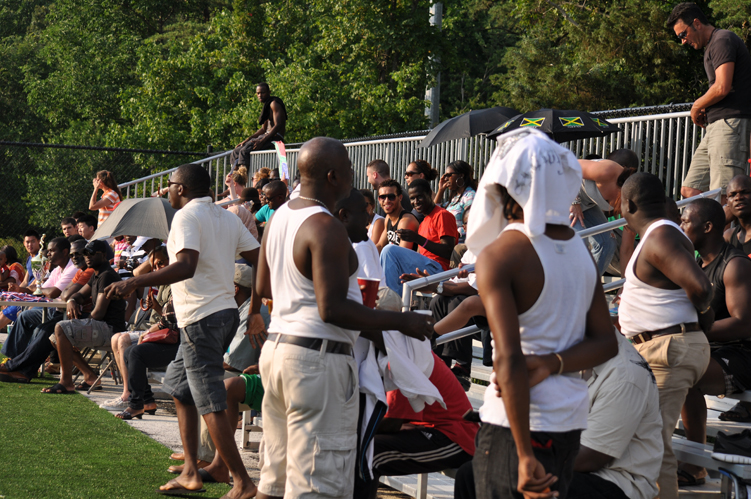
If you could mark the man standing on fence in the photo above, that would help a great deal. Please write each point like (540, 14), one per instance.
(725, 109)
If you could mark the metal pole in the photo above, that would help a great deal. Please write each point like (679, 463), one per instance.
(433, 95)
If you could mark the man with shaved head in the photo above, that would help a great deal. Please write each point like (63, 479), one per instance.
(739, 203)
(275, 193)
(665, 308)
(202, 244)
(729, 371)
(310, 407)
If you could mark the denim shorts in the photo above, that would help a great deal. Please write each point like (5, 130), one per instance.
(196, 376)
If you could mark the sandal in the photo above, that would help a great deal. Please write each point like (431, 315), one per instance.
(686, 479)
(739, 413)
(57, 389)
(83, 387)
(127, 416)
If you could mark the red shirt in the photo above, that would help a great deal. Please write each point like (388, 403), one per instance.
(439, 223)
(83, 277)
(448, 421)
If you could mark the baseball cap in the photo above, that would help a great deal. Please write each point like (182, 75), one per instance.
(96, 246)
(243, 275)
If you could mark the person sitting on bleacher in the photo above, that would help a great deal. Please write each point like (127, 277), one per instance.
(107, 317)
(729, 371)
(22, 367)
(435, 238)
(665, 308)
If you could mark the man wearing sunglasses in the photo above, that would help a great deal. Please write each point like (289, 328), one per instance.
(725, 109)
(390, 197)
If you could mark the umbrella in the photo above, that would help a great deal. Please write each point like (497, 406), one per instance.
(149, 217)
(468, 125)
(560, 125)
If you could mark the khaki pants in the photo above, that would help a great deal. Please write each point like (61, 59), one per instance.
(678, 361)
(310, 409)
(721, 155)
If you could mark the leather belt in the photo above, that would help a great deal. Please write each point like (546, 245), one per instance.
(311, 343)
(646, 336)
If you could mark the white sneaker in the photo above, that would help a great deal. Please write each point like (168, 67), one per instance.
(116, 403)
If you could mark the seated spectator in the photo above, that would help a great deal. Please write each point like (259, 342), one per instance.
(376, 223)
(58, 253)
(69, 226)
(276, 195)
(273, 121)
(378, 172)
(121, 243)
(740, 207)
(236, 183)
(158, 258)
(353, 212)
(390, 198)
(460, 183)
(252, 199)
(86, 226)
(11, 270)
(106, 317)
(261, 178)
(111, 196)
(729, 270)
(436, 238)
(31, 243)
(22, 367)
(416, 170)
(433, 439)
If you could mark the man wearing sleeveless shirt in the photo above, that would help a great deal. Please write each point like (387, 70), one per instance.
(739, 203)
(390, 197)
(273, 121)
(543, 333)
(664, 308)
(203, 242)
(310, 407)
(729, 271)
(725, 109)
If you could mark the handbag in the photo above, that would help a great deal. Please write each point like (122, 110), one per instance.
(166, 336)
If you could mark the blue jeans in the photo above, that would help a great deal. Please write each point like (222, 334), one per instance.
(196, 376)
(396, 261)
(21, 332)
(602, 245)
(28, 361)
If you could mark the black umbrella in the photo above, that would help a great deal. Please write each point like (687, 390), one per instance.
(468, 125)
(560, 125)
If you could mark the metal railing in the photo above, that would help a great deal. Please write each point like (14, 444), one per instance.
(664, 143)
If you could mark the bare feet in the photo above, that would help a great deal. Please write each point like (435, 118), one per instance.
(176, 486)
(177, 469)
(177, 456)
(242, 490)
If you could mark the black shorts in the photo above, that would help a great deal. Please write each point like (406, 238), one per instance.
(735, 360)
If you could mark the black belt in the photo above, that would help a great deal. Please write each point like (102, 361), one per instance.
(312, 343)
(686, 327)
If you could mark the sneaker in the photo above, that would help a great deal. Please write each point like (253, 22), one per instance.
(116, 403)
(463, 376)
(735, 448)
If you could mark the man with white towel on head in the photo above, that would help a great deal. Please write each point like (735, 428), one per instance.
(547, 314)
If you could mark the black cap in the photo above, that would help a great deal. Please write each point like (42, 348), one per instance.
(96, 246)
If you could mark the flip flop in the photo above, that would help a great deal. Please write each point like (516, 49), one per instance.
(688, 479)
(85, 386)
(207, 478)
(57, 389)
(737, 414)
(179, 490)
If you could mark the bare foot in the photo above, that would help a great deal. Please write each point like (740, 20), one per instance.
(175, 485)
(178, 469)
(244, 490)
(218, 473)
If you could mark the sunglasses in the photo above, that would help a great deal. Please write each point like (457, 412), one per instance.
(683, 34)
(390, 197)
(409, 173)
(449, 174)
(91, 253)
(171, 183)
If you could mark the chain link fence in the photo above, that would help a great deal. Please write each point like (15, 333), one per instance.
(43, 183)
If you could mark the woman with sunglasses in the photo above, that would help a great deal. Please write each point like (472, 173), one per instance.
(459, 182)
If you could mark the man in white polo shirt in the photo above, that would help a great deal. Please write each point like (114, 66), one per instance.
(203, 243)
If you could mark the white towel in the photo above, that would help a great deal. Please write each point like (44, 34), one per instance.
(540, 175)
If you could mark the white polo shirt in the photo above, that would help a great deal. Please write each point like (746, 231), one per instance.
(218, 236)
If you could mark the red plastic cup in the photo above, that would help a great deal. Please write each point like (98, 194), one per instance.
(369, 289)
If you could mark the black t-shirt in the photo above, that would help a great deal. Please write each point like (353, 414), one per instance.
(715, 272)
(735, 242)
(115, 314)
(725, 46)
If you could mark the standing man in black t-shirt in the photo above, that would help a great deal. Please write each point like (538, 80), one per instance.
(107, 318)
(273, 121)
(725, 109)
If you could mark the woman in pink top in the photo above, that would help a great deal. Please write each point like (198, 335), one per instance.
(105, 180)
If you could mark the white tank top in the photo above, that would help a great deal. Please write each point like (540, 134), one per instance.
(647, 308)
(555, 322)
(376, 216)
(295, 310)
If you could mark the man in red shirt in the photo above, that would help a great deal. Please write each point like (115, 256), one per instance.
(433, 439)
(436, 238)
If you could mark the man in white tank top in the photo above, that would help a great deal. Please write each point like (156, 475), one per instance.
(310, 407)
(547, 314)
(665, 307)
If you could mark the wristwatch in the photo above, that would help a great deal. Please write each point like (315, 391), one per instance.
(439, 288)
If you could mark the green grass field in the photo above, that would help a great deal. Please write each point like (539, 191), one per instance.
(65, 446)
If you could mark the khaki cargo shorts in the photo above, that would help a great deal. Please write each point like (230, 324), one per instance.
(722, 155)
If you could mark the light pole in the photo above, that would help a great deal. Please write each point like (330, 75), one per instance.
(433, 94)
